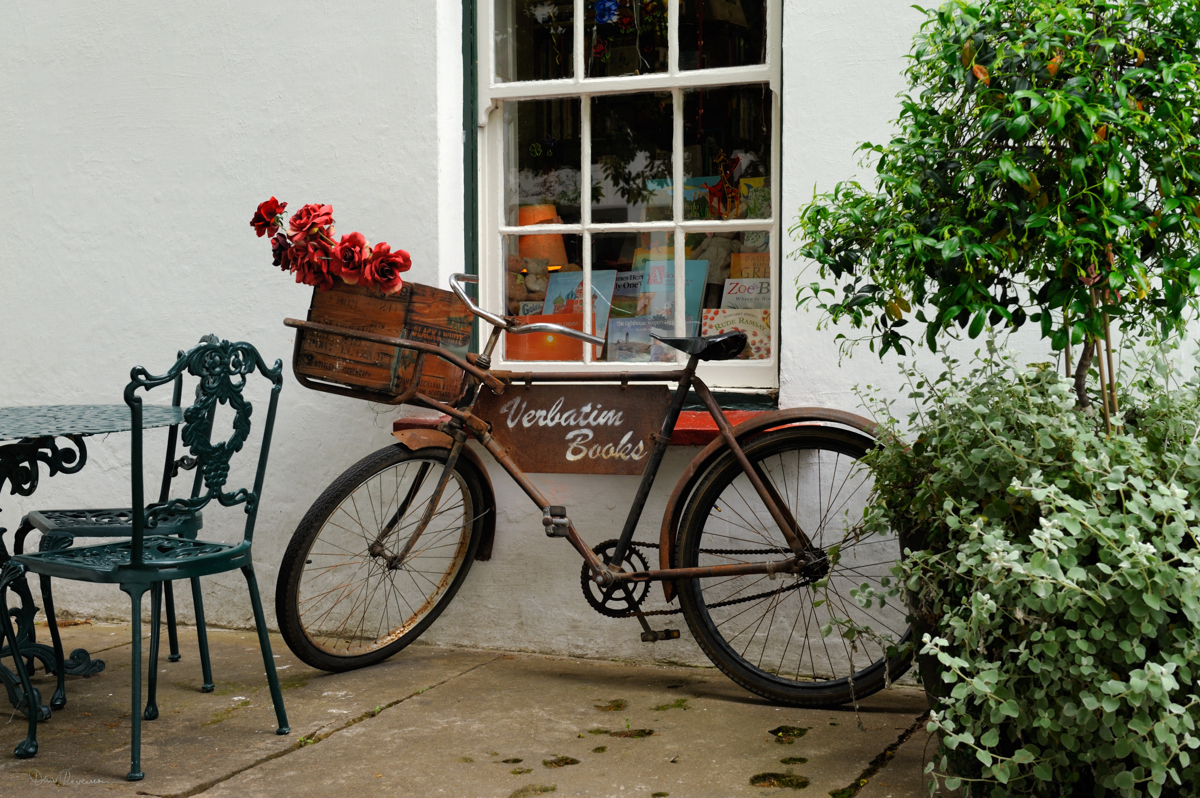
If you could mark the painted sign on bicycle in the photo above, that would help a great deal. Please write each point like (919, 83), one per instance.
(577, 429)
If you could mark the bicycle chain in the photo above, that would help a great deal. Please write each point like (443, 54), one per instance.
(727, 602)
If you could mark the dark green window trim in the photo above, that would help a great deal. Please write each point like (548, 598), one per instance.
(470, 148)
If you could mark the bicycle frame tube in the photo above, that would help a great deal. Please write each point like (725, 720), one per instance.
(685, 380)
(775, 504)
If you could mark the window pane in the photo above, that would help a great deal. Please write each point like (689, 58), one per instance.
(727, 153)
(722, 33)
(542, 156)
(737, 290)
(631, 153)
(534, 39)
(536, 266)
(636, 271)
(626, 37)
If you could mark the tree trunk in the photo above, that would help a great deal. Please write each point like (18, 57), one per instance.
(1081, 373)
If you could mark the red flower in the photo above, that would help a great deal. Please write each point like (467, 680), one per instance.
(600, 49)
(312, 221)
(312, 261)
(281, 250)
(383, 270)
(266, 218)
(350, 256)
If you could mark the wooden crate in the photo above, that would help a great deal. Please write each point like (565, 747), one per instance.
(416, 313)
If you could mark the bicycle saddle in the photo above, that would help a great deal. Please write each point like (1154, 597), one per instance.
(725, 346)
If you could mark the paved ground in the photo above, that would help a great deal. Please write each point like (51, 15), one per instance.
(434, 721)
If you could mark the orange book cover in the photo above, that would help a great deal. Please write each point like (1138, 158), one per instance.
(546, 346)
(750, 265)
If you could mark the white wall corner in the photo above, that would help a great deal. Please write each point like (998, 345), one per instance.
(450, 140)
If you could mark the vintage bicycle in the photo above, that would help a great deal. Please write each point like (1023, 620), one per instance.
(761, 541)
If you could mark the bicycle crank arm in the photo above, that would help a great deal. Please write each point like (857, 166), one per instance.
(741, 569)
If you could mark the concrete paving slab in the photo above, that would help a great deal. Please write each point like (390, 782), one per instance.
(528, 722)
(200, 738)
(903, 776)
(436, 721)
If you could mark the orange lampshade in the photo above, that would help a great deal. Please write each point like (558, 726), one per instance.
(548, 247)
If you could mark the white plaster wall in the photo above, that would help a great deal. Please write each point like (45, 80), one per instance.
(136, 141)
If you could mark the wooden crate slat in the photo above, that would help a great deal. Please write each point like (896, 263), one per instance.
(417, 313)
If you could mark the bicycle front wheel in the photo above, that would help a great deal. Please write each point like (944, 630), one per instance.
(349, 594)
(794, 642)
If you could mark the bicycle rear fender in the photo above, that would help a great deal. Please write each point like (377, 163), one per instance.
(708, 457)
(414, 439)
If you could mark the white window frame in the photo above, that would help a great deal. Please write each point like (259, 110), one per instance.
(752, 375)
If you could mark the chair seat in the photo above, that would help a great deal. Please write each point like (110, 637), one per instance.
(163, 558)
(111, 523)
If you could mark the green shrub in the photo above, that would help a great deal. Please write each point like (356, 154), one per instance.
(1059, 570)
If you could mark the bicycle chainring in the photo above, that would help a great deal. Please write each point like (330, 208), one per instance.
(620, 599)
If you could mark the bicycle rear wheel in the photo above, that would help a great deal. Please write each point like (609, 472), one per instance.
(786, 639)
(344, 599)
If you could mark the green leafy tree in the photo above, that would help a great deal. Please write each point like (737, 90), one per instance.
(1046, 170)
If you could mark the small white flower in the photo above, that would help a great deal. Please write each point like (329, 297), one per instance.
(542, 12)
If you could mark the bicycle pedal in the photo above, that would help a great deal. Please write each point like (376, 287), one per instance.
(554, 518)
(652, 636)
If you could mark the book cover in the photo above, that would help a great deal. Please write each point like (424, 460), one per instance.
(546, 346)
(629, 339)
(755, 323)
(658, 290)
(750, 265)
(563, 291)
(626, 289)
(742, 294)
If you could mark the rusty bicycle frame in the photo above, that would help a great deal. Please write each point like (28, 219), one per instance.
(807, 561)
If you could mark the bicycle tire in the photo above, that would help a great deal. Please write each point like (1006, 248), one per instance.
(356, 611)
(725, 521)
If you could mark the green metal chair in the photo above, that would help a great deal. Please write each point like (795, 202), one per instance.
(147, 560)
(60, 528)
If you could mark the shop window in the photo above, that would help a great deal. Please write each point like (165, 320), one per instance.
(630, 154)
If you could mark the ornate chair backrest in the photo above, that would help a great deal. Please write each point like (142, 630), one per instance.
(222, 369)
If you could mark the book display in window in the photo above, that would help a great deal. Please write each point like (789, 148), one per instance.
(629, 340)
(746, 294)
(755, 323)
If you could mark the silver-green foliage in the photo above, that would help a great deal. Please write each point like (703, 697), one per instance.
(1059, 575)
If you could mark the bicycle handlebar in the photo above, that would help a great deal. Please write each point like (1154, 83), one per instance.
(456, 283)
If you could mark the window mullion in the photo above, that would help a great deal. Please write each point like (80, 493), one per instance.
(672, 37)
(585, 210)
(580, 47)
(677, 213)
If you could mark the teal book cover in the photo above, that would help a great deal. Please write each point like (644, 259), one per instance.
(659, 291)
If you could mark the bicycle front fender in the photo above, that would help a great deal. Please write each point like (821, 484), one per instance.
(709, 455)
(416, 439)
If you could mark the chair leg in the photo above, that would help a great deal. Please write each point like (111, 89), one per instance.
(135, 688)
(202, 634)
(28, 747)
(172, 634)
(264, 643)
(59, 699)
(19, 548)
(156, 591)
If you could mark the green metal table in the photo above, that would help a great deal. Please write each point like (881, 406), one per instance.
(52, 437)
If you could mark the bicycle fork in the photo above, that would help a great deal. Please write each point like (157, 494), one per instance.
(377, 547)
